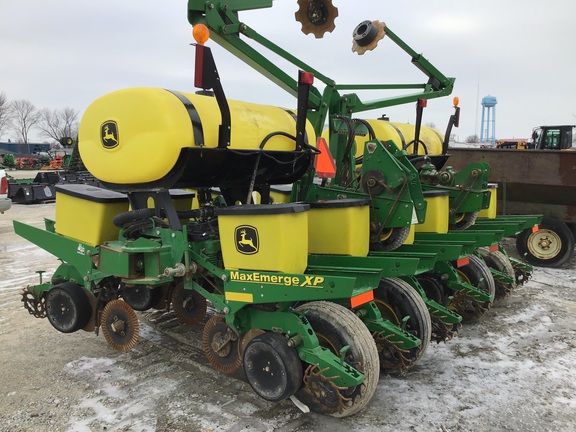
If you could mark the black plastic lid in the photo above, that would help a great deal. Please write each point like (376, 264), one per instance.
(262, 209)
(435, 193)
(91, 193)
(338, 203)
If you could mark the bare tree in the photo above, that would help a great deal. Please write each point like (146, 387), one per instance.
(5, 113)
(472, 139)
(24, 116)
(58, 124)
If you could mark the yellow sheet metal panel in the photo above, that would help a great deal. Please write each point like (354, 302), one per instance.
(266, 237)
(136, 135)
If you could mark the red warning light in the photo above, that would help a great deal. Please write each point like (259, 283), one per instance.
(324, 163)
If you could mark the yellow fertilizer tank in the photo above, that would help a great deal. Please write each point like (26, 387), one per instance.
(403, 135)
(153, 137)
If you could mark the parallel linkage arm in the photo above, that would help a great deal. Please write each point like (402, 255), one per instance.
(221, 17)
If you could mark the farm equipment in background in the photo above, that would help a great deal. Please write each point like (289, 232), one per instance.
(538, 180)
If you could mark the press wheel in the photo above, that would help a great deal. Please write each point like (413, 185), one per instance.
(477, 274)
(499, 262)
(221, 345)
(189, 305)
(67, 307)
(273, 369)
(396, 299)
(120, 325)
(336, 327)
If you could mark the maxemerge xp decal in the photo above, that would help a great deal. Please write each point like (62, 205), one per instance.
(246, 239)
(109, 134)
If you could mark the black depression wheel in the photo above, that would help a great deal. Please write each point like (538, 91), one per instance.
(272, 368)
(140, 297)
(396, 299)
(337, 327)
(477, 274)
(550, 246)
(67, 307)
(464, 220)
(499, 261)
(394, 238)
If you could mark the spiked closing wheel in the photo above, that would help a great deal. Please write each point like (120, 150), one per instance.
(189, 305)
(221, 345)
(316, 16)
(120, 325)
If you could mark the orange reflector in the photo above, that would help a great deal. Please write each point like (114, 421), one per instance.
(201, 33)
(493, 248)
(305, 78)
(462, 262)
(324, 163)
(535, 228)
(360, 299)
(456, 101)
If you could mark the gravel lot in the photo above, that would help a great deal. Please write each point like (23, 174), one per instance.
(513, 370)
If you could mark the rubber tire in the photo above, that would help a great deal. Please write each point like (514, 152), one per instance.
(433, 287)
(468, 219)
(559, 230)
(143, 303)
(498, 261)
(396, 238)
(68, 298)
(272, 368)
(337, 327)
(397, 299)
(478, 273)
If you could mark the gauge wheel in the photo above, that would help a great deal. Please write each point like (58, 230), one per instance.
(140, 297)
(272, 368)
(550, 246)
(67, 307)
(394, 238)
(337, 327)
(396, 299)
(498, 261)
(464, 220)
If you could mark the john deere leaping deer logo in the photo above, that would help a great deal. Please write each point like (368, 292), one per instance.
(109, 134)
(246, 239)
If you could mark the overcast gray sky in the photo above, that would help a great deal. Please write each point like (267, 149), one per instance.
(66, 53)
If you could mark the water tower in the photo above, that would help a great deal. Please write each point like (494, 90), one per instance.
(488, 130)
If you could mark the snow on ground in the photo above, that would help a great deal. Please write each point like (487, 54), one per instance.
(513, 370)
